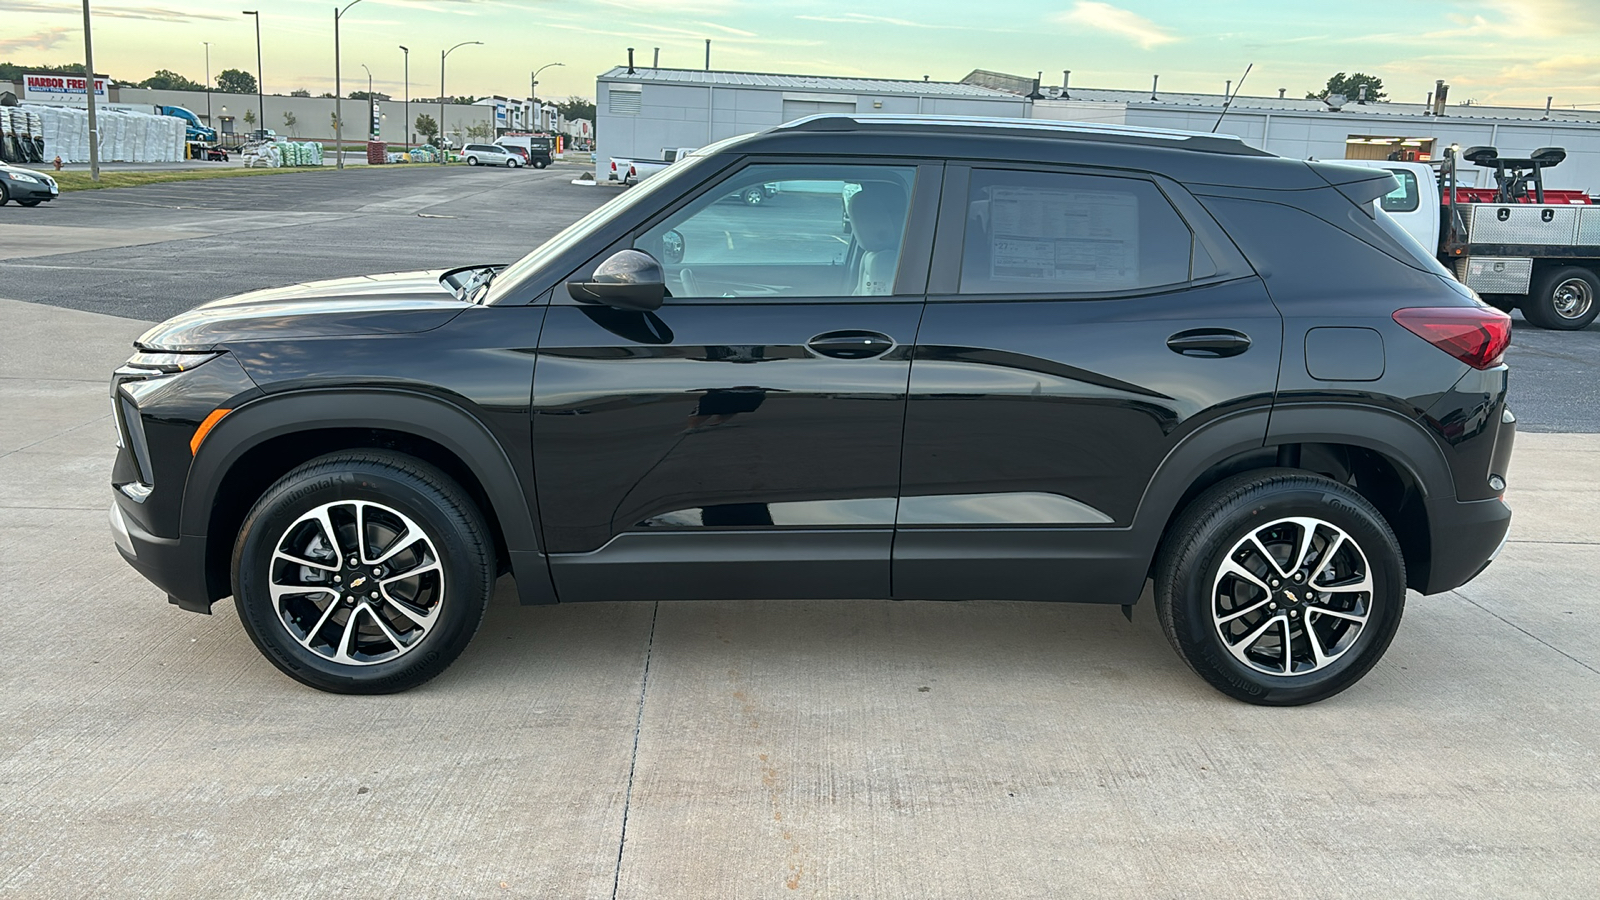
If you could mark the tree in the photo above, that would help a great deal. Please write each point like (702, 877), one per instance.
(301, 92)
(481, 131)
(333, 121)
(427, 127)
(250, 117)
(236, 81)
(1350, 87)
(168, 80)
(576, 108)
(290, 120)
(13, 72)
(375, 95)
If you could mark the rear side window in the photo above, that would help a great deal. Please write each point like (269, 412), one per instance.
(1405, 197)
(1055, 233)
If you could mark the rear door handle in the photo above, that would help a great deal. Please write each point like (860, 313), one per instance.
(1209, 342)
(851, 344)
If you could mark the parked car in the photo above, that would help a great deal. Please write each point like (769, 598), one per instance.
(491, 155)
(520, 153)
(1047, 362)
(632, 171)
(26, 186)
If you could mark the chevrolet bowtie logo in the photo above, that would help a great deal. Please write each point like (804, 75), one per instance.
(358, 582)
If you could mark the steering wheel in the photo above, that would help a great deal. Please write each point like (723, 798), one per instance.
(687, 281)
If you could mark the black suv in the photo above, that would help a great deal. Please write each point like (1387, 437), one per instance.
(944, 359)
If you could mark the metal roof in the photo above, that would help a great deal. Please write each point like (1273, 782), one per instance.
(812, 83)
(1173, 99)
(1198, 140)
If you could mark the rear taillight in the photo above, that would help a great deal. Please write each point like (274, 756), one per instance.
(613, 165)
(1478, 336)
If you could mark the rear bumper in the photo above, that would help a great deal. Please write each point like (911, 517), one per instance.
(175, 565)
(1464, 539)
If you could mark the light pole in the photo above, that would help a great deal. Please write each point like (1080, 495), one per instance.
(370, 135)
(88, 88)
(208, 85)
(338, 88)
(406, 122)
(443, 55)
(533, 90)
(261, 111)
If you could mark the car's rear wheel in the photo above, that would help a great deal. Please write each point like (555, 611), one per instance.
(1280, 588)
(754, 196)
(539, 164)
(363, 572)
(5, 195)
(1564, 299)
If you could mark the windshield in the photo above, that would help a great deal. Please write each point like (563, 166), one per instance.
(569, 237)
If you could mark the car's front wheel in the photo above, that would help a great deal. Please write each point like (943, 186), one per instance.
(363, 572)
(1280, 588)
(5, 195)
(29, 202)
(472, 160)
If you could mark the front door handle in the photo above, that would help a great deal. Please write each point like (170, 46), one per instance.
(851, 344)
(1209, 342)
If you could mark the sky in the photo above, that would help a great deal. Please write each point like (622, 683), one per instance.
(1490, 51)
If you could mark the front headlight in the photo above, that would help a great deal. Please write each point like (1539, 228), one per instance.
(165, 361)
(18, 176)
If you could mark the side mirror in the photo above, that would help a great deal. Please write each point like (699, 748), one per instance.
(629, 279)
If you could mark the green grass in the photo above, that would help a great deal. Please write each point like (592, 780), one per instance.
(80, 181)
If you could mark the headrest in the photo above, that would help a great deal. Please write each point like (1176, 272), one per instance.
(878, 215)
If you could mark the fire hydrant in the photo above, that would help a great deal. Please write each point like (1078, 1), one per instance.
(58, 163)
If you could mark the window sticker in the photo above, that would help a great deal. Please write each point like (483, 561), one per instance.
(1082, 238)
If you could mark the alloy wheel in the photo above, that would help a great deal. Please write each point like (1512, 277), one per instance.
(356, 582)
(1292, 597)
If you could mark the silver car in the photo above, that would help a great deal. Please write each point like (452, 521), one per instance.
(491, 155)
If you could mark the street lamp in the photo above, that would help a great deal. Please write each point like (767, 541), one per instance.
(338, 88)
(261, 112)
(533, 91)
(444, 55)
(406, 122)
(370, 135)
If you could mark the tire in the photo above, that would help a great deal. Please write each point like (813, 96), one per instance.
(29, 202)
(5, 195)
(753, 196)
(472, 160)
(539, 164)
(1201, 594)
(1564, 299)
(395, 495)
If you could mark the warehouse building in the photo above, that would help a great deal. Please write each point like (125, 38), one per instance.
(642, 111)
(1303, 129)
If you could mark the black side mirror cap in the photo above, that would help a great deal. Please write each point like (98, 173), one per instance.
(628, 279)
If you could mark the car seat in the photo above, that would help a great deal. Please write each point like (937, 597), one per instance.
(878, 220)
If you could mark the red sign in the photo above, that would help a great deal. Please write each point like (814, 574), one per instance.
(68, 88)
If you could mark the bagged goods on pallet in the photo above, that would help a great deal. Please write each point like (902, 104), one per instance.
(124, 136)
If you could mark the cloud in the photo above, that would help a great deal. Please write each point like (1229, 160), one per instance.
(1116, 20)
(148, 13)
(47, 39)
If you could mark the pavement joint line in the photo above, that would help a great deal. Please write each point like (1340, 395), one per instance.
(633, 761)
(1525, 631)
(56, 435)
(1563, 543)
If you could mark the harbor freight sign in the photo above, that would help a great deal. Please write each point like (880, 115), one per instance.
(61, 88)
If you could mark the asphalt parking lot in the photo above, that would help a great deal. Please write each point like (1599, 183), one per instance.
(727, 749)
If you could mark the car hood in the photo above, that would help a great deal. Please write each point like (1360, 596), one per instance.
(34, 172)
(399, 303)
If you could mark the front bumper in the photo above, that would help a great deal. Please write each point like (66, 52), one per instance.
(23, 190)
(175, 565)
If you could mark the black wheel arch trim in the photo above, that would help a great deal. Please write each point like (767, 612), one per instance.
(432, 418)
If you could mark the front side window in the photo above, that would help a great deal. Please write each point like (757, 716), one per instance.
(803, 230)
(1054, 233)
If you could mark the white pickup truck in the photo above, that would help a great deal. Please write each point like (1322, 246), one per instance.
(633, 171)
(1518, 244)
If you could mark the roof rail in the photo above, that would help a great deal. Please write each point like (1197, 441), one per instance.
(1129, 134)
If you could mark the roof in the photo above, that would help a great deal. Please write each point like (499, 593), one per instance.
(1129, 134)
(815, 83)
(1165, 99)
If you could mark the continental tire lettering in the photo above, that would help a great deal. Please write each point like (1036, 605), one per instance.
(320, 484)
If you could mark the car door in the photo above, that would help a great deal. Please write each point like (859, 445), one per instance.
(1080, 326)
(744, 439)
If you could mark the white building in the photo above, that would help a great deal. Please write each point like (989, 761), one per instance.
(1303, 129)
(641, 111)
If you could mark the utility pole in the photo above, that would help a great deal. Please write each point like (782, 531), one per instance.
(88, 86)
(338, 89)
(261, 111)
(209, 123)
(406, 130)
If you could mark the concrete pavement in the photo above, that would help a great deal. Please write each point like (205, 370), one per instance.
(729, 749)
